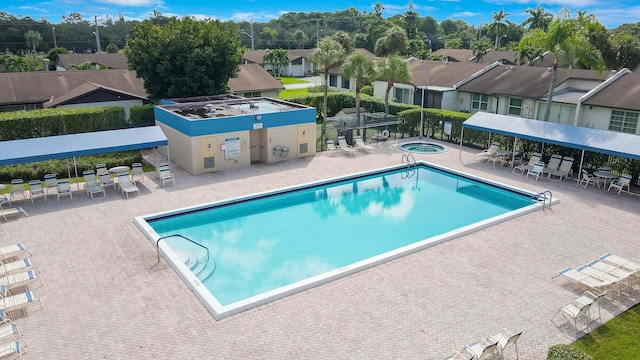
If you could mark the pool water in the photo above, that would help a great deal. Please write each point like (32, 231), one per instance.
(422, 148)
(274, 241)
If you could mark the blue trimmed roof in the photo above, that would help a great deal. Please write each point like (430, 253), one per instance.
(65, 146)
(600, 141)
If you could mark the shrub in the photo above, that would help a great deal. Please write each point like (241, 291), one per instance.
(142, 116)
(566, 352)
(367, 90)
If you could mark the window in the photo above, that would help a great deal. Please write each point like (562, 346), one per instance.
(402, 95)
(515, 106)
(252, 94)
(333, 80)
(345, 82)
(625, 121)
(479, 102)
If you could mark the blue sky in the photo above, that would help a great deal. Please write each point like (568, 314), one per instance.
(610, 13)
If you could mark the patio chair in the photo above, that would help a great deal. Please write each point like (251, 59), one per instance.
(620, 183)
(482, 349)
(588, 179)
(631, 265)
(4, 212)
(554, 163)
(487, 153)
(64, 189)
(11, 348)
(16, 280)
(592, 300)
(332, 149)
(12, 267)
(136, 172)
(36, 190)
(564, 169)
(18, 302)
(344, 147)
(360, 144)
(106, 180)
(17, 189)
(166, 176)
(506, 339)
(18, 251)
(535, 157)
(574, 311)
(101, 168)
(536, 170)
(126, 185)
(50, 183)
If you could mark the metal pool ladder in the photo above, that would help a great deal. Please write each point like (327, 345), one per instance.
(411, 161)
(542, 197)
(202, 269)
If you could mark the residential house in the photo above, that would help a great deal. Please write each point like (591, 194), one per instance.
(455, 55)
(254, 81)
(300, 63)
(111, 61)
(337, 80)
(491, 56)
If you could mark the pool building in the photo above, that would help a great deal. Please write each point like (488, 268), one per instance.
(218, 133)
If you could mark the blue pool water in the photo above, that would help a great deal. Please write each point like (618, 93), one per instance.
(278, 239)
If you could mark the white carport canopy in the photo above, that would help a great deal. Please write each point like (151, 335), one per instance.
(585, 139)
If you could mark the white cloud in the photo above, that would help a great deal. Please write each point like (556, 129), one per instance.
(133, 3)
(33, 8)
(466, 14)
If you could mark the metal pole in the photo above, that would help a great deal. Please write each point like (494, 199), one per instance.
(317, 33)
(252, 47)
(55, 43)
(97, 35)
(421, 112)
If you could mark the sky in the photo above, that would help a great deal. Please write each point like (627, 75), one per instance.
(611, 13)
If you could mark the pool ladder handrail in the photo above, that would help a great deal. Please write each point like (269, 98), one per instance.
(180, 236)
(411, 160)
(537, 196)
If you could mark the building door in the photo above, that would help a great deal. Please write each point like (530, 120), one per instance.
(208, 154)
(254, 144)
(304, 139)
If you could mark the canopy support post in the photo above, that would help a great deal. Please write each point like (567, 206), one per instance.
(461, 137)
(75, 167)
(513, 153)
(580, 170)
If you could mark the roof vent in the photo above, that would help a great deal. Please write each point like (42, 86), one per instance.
(210, 109)
(614, 71)
(549, 69)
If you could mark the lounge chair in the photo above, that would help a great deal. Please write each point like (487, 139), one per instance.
(12, 267)
(50, 183)
(360, 144)
(101, 168)
(487, 153)
(9, 329)
(91, 183)
(631, 265)
(583, 280)
(536, 170)
(332, 149)
(17, 189)
(623, 275)
(36, 190)
(554, 163)
(11, 348)
(4, 212)
(136, 172)
(18, 301)
(126, 185)
(588, 179)
(482, 349)
(620, 183)
(506, 339)
(106, 180)
(20, 279)
(535, 157)
(166, 176)
(18, 251)
(564, 169)
(64, 189)
(344, 147)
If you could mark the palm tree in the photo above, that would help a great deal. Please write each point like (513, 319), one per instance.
(344, 40)
(33, 39)
(539, 18)
(362, 69)
(299, 37)
(269, 58)
(394, 41)
(567, 39)
(480, 48)
(281, 59)
(329, 52)
(497, 26)
(392, 70)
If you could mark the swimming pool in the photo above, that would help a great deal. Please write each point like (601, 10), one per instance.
(271, 245)
(422, 147)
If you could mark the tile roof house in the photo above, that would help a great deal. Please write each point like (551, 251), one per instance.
(111, 61)
(254, 81)
(455, 55)
(300, 63)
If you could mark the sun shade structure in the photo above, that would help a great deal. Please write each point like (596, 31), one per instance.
(66, 146)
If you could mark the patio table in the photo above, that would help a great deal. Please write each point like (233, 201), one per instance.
(605, 176)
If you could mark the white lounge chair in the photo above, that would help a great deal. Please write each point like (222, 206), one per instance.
(536, 170)
(344, 147)
(4, 212)
(106, 180)
(506, 339)
(14, 251)
(620, 183)
(36, 190)
(137, 172)
(64, 189)
(588, 179)
(17, 189)
(554, 163)
(18, 302)
(535, 157)
(50, 183)
(13, 267)
(482, 349)
(20, 279)
(583, 280)
(487, 153)
(564, 169)
(8, 330)
(126, 185)
(360, 144)
(101, 168)
(91, 183)
(631, 265)
(166, 176)
(332, 149)
(12, 347)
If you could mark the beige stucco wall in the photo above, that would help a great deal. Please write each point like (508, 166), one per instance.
(596, 117)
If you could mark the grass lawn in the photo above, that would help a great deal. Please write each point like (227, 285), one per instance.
(286, 80)
(287, 93)
(618, 339)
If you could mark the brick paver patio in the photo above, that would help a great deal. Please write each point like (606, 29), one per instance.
(106, 298)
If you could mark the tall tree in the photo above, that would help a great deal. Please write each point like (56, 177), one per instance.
(344, 40)
(498, 26)
(480, 48)
(538, 18)
(567, 39)
(281, 59)
(269, 57)
(185, 57)
(394, 41)
(299, 37)
(33, 39)
(362, 69)
(393, 69)
(328, 53)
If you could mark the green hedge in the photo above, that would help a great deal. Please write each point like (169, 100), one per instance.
(142, 115)
(51, 122)
(566, 352)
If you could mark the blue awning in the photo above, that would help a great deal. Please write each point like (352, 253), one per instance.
(66, 146)
(600, 141)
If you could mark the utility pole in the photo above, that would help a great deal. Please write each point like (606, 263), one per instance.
(97, 34)
(55, 43)
(251, 21)
(317, 33)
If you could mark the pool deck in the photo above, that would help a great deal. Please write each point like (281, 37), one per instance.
(106, 297)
